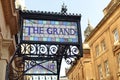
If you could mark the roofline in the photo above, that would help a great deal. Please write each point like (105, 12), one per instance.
(102, 21)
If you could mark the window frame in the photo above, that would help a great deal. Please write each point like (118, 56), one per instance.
(116, 35)
(97, 50)
(107, 69)
(100, 72)
(103, 45)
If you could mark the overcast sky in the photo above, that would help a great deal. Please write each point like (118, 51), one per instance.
(89, 9)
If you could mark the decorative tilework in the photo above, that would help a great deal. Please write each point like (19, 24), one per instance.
(50, 31)
(46, 66)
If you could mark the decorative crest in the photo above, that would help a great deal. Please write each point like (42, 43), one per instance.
(64, 9)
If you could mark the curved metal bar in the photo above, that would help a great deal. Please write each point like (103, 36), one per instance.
(32, 53)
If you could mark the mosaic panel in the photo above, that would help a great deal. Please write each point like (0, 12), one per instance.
(50, 31)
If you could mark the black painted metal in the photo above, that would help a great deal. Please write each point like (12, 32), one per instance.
(31, 53)
(36, 15)
(64, 9)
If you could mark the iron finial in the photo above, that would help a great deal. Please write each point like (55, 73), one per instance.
(64, 9)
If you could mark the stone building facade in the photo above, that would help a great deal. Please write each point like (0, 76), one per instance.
(8, 29)
(104, 43)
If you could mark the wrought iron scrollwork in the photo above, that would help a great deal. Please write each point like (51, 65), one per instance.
(43, 49)
(16, 70)
(72, 54)
(53, 49)
(38, 49)
(74, 50)
(29, 56)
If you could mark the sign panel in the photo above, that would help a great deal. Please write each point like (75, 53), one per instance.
(50, 31)
(41, 67)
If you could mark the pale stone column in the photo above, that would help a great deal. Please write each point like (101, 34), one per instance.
(3, 64)
(4, 56)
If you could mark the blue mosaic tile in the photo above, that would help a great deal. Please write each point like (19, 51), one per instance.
(36, 38)
(52, 22)
(40, 22)
(49, 39)
(65, 23)
(74, 40)
(61, 40)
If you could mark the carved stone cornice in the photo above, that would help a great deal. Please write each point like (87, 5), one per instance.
(5, 42)
(8, 44)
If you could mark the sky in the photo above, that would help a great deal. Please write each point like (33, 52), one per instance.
(91, 10)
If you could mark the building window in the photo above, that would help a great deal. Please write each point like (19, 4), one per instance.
(116, 35)
(103, 45)
(97, 50)
(100, 72)
(107, 71)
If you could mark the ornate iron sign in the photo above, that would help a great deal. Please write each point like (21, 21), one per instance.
(44, 39)
(50, 28)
